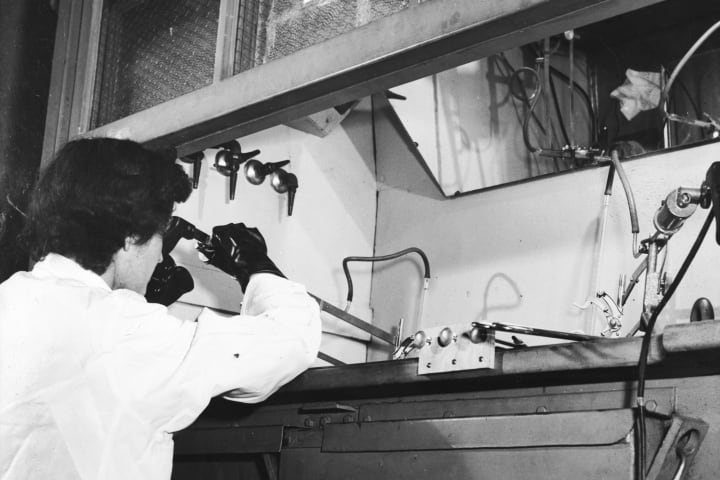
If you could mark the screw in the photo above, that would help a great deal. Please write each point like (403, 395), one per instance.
(454, 362)
(480, 358)
(542, 409)
(309, 422)
(684, 200)
(428, 365)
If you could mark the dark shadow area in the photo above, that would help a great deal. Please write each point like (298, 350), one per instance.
(27, 32)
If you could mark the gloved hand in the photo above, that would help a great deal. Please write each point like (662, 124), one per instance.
(238, 251)
(168, 282)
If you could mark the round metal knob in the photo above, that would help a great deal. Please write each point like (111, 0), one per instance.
(478, 334)
(445, 337)
(419, 340)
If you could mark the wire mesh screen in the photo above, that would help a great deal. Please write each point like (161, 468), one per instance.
(287, 26)
(152, 51)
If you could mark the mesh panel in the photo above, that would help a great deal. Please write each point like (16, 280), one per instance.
(152, 51)
(292, 25)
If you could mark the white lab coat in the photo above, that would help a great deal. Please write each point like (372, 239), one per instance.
(93, 382)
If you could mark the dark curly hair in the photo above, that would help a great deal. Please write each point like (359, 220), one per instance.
(96, 193)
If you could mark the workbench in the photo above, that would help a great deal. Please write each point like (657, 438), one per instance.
(554, 411)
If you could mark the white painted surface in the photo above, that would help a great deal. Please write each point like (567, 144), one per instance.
(525, 253)
(334, 217)
(467, 125)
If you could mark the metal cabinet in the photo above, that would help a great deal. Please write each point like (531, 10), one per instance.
(556, 411)
(549, 432)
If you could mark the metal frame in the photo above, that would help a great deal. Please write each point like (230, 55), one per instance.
(226, 37)
(423, 39)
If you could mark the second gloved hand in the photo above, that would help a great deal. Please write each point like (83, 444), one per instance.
(239, 251)
(168, 282)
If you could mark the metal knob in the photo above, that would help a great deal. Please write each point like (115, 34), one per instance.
(445, 337)
(478, 334)
(419, 340)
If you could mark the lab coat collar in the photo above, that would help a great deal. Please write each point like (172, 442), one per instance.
(58, 266)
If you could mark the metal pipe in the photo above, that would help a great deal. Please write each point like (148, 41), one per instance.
(571, 86)
(546, 88)
(539, 332)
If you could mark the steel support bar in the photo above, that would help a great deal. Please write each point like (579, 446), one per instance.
(516, 431)
(354, 321)
(538, 332)
(330, 359)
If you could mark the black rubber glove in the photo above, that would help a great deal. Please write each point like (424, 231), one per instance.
(168, 282)
(238, 251)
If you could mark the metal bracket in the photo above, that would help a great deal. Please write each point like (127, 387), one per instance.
(454, 348)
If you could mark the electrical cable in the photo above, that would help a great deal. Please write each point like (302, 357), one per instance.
(634, 224)
(645, 346)
(515, 77)
(566, 137)
(531, 108)
(389, 256)
(538, 52)
(583, 94)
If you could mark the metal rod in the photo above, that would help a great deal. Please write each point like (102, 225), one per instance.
(331, 360)
(540, 332)
(354, 321)
(571, 74)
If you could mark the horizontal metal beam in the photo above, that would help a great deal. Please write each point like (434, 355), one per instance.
(546, 359)
(418, 41)
(516, 431)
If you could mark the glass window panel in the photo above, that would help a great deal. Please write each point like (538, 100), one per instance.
(152, 51)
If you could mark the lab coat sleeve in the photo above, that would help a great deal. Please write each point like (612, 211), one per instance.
(275, 338)
(170, 369)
